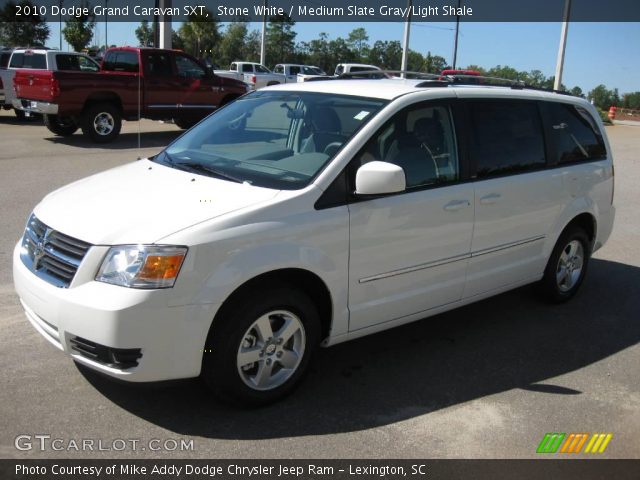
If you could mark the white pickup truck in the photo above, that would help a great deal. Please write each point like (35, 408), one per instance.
(254, 74)
(292, 73)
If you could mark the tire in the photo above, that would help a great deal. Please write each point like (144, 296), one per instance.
(567, 266)
(62, 126)
(20, 115)
(249, 328)
(101, 122)
(184, 124)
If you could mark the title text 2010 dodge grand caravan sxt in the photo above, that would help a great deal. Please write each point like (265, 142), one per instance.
(310, 214)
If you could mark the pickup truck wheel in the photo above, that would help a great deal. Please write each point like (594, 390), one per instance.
(101, 123)
(20, 115)
(260, 346)
(184, 124)
(62, 126)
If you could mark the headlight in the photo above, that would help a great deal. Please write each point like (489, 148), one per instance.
(142, 266)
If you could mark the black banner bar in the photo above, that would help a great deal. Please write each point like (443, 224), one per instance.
(544, 468)
(331, 10)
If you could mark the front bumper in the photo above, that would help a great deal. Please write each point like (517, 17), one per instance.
(170, 339)
(35, 106)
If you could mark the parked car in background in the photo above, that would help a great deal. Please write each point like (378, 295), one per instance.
(253, 74)
(342, 68)
(40, 60)
(334, 210)
(131, 83)
(297, 73)
(467, 75)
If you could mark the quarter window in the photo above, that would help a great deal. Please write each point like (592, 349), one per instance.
(575, 134)
(506, 137)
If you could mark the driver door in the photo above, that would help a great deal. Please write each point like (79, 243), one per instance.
(409, 251)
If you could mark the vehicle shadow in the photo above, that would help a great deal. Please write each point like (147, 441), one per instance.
(506, 342)
(13, 120)
(123, 142)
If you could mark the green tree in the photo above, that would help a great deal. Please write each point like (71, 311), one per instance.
(631, 100)
(415, 61)
(603, 98)
(78, 30)
(318, 53)
(232, 43)
(577, 92)
(386, 54)
(200, 34)
(280, 39)
(357, 42)
(145, 34)
(251, 50)
(434, 63)
(34, 31)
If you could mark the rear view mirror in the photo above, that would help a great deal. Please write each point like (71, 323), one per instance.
(378, 178)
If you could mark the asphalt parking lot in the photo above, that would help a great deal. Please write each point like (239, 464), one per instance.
(484, 381)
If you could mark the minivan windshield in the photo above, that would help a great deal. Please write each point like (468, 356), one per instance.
(272, 139)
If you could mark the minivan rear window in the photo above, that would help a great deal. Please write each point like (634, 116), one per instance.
(29, 60)
(506, 137)
(575, 135)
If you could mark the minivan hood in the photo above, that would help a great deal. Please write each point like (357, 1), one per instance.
(142, 202)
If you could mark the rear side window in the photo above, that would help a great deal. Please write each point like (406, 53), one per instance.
(574, 133)
(506, 137)
(29, 60)
(75, 63)
(159, 65)
(246, 68)
(121, 61)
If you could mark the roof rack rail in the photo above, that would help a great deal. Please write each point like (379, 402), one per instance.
(504, 82)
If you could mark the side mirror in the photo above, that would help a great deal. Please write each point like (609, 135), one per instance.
(379, 178)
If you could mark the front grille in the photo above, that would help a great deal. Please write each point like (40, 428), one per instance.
(120, 358)
(51, 255)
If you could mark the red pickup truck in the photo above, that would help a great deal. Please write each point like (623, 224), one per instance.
(132, 83)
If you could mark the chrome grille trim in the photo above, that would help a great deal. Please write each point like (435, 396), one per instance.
(51, 255)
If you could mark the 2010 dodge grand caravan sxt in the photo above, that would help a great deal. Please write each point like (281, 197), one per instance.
(310, 214)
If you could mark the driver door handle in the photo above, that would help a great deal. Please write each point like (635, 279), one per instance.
(455, 205)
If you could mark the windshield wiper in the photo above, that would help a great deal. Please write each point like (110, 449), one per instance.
(199, 167)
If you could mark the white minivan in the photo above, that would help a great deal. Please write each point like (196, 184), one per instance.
(310, 214)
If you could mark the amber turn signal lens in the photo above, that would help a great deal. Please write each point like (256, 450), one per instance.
(159, 267)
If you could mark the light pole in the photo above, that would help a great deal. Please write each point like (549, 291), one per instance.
(455, 41)
(563, 44)
(60, 23)
(263, 41)
(405, 48)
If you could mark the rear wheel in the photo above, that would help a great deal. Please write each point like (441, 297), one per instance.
(260, 346)
(567, 266)
(101, 122)
(63, 126)
(20, 114)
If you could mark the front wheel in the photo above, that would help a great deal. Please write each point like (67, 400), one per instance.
(62, 126)
(101, 122)
(260, 346)
(567, 266)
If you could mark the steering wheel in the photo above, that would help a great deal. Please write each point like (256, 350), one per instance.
(332, 148)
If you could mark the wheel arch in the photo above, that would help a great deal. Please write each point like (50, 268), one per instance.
(104, 97)
(307, 281)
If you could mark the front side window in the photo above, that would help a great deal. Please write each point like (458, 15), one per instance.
(506, 137)
(278, 69)
(421, 140)
(574, 133)
(271, 139)
(261, 69)
(188, 68)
